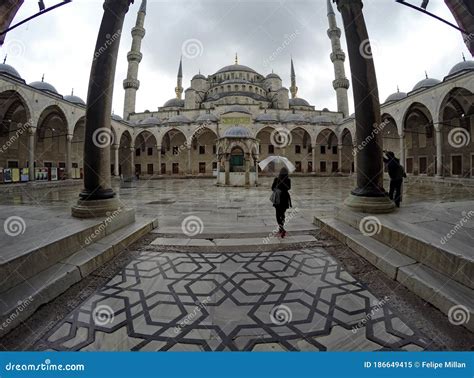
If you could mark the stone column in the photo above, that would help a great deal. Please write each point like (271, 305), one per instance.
(69, 156)
(247, 170)
(369, 195)
(132, 162)
(439, 152)
(97, 198)
(339, 153)
(256, 170)
(189, 169)
(31, 152)
(158, 149)
(116, 160)
(402, 150)
(314, 159)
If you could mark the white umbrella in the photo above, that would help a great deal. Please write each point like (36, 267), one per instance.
(277, 159)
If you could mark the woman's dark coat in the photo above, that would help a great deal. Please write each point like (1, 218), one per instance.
(284, 184)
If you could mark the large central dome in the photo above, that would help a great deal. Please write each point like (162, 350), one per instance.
(236, 67)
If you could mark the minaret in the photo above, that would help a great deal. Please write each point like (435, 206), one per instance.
(340, 84)
(179, 86)
(134, 57)
(293, 88)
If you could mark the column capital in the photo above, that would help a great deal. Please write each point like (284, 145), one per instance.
(32, 130)
(69, 138)
(116, 146)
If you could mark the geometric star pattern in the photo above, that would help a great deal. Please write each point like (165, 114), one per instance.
(290, 300)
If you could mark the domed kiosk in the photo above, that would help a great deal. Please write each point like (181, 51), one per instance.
(237, 157)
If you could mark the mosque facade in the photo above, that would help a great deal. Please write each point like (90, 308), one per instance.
(230, 120)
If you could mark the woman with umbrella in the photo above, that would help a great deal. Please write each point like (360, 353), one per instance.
(281, 198)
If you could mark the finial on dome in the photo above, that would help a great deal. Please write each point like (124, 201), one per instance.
(398, 89)
(426, 74)
(42, 79)
(72, 92)
(236, 59)
(463, 57)
(5, 59)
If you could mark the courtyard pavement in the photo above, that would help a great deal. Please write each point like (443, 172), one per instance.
(247, 292)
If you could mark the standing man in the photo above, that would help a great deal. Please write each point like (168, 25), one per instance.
(397, 174)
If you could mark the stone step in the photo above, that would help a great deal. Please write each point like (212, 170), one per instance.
(62, 238)
(452, 298)
(385, 258)
(454, 259)
(22, 300)
(436, 288)
(234, 242)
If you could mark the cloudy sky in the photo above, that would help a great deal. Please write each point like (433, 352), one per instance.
(264, 33)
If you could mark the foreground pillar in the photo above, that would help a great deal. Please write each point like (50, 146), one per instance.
(69, 156)
(402, 151)
(31, 152)
(116, 160)
(369, 195)
(439, 152)
(97, 199)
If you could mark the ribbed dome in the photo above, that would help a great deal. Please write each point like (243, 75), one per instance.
(174, 103)
(426, 83)
(43, 86)
(396, 96)
(207, 117)
(237, 132)
(75, 100)
(465, 65)
(150, 121)
(199, 76)
(9, 70)
(235, 67)
(237, 109)
(298, 102)
(273, 76)
(179, 119)
(266, 118)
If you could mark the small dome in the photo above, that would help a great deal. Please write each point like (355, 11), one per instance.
(150, 121)
(179, 119)
(465, 65)
(116, 117)
(207, 117)
(237, 132)
(199, 76)
(295, 118)
(174, 103)
(235, 67)
(237, 109)
(273, 76)
(396, 96)
(426, 83)
(266, 118)
(9, 70)
(298, 102)
(75, 100)
(44, 86)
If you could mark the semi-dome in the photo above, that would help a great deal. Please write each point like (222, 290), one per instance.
(396, 96)
(236, 67)
(9, 70)
(75, 100)
(298, 102)
(237, 109)
(237, 132)
(465, 65)
(295, 118)
(150, 121)
(266, 118)
(179, 119)
(174, 103)
(199, 76)
(426, 83)
(207, 117)
(273, 76)
(43, 86)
